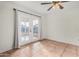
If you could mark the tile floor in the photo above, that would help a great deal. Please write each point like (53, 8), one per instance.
(46, 48)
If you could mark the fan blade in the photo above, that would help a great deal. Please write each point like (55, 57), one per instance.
(50, 8)
(45, 3)
(60, 6)
(64, 1)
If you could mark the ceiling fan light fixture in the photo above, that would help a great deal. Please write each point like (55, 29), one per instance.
(56, 6)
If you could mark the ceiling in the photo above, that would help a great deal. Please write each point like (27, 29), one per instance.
(35, 5)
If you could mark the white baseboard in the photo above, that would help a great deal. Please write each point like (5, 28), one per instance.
(67, 42)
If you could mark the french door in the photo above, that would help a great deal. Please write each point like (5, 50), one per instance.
(28, 28)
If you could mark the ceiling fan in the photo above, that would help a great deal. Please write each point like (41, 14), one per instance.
(55, 4)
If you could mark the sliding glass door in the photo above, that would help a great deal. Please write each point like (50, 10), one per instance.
(28, 28)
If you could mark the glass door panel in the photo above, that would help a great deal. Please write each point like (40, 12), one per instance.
(35, 29)
(25, 36)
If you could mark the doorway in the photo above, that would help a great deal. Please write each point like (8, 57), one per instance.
(28, 28)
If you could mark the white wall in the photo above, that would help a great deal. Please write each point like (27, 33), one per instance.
(44, 26)
(7, 24)
(63, 25)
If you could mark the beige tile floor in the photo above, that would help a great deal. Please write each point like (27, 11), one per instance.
(47, 48)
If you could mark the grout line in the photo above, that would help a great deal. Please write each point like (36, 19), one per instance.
(64, 51)
(77, 51)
